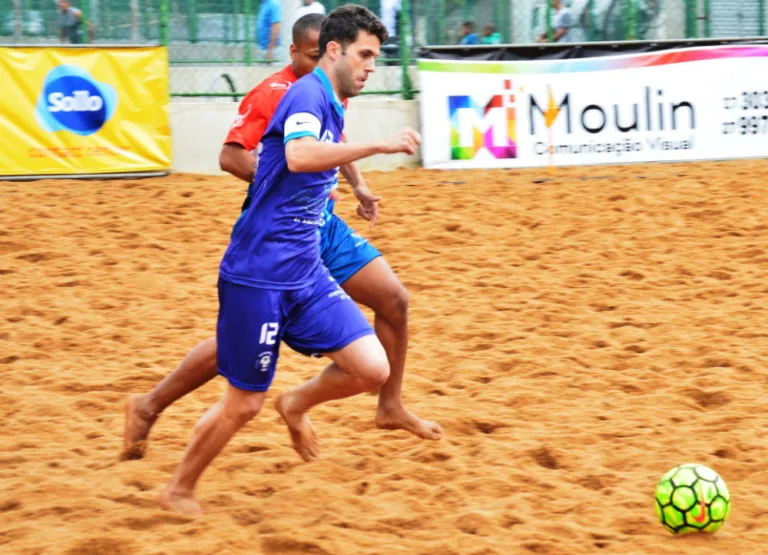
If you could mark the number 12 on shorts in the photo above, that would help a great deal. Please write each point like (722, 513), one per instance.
(268, 333)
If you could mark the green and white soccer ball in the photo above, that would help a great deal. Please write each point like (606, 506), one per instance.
(692, 498)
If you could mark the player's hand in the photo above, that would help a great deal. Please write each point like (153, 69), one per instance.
(368, 209)
(334, 195)
(406, 140)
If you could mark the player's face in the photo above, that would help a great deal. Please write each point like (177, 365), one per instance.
(305, 56)
(359, 61)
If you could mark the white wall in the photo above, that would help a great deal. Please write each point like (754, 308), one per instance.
(199, 129)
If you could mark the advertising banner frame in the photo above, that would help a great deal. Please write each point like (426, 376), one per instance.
(564, 105)
(85, 111)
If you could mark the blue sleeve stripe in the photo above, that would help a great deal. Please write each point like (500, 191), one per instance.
(298, 135)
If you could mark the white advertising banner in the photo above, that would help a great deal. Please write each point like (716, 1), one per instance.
(703, 103)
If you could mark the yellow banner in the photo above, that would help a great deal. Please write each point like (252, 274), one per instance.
(82, 111)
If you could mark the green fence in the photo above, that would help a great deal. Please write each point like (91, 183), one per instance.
(214, 52)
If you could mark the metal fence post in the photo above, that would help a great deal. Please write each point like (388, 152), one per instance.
(192, 21)
(228, 22)
(550, 30)
(86, 9)
(592, 27)
(440, 22)
(135, 20)
(629, 17)
(164, 38)
(17, 19)
(506, 36)
(405, 55)
(690, 18)
(466, 10)
(149, 13)
(428, 33)
(761, 12)
(707, 27)
(247, 24)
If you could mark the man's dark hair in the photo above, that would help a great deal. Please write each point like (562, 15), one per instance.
(469, 25)
(306, 23)
(343, 24)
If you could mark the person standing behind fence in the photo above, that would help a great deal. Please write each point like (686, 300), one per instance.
(490, 35)
(70, 20)
(390, 16)
(310, 7)
(562, 21)
(468, 35)
(268, 27)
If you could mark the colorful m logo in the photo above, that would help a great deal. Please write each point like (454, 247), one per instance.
(492, 127)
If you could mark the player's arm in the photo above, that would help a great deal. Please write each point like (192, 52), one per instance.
(305, 153)
(236, 156)
(351, 173)
(368, 209)
(238, 161)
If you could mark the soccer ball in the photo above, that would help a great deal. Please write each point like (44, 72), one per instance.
(692, 498)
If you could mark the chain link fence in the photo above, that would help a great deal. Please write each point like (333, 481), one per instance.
(215, 52)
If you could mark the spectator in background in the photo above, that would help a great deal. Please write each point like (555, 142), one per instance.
(70, 20)
(580, 17)
(268, 27)
(490, 36)
(468, 35)
(310, 6)
(562, 21)
(390, 9)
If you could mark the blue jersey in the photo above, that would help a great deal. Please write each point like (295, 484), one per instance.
(276, 242)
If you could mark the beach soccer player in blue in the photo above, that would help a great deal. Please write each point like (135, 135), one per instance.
(273, 285)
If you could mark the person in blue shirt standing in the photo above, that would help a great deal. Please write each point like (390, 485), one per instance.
(468, 35)
(268, 27)
(273, 285)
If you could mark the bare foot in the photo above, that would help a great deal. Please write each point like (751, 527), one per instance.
(401, 418)
(136, 430)
(179, 502)
(302, 434)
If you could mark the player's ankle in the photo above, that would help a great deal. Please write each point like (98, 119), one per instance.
(391, 404)
(147, 407)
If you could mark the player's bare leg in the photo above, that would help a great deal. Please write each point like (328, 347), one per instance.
(360, 366)
(141, 411)
(377, 287)
(212, 432)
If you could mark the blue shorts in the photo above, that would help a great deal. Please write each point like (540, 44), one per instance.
(343, 251)
(318, 319)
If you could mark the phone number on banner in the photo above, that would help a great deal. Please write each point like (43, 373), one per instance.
(753, 107)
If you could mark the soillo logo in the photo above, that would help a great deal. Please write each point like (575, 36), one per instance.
(72, 100)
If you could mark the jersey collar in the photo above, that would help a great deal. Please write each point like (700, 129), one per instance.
(290, 75)
(328, 87)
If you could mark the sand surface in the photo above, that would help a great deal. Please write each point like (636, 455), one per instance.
(576, 337)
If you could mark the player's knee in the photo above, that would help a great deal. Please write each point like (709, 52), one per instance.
(376, 372)
(395, 309)
(249, 409)
(375, 378)
(246, 407)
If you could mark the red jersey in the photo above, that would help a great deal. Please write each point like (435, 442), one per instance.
(257, 108)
